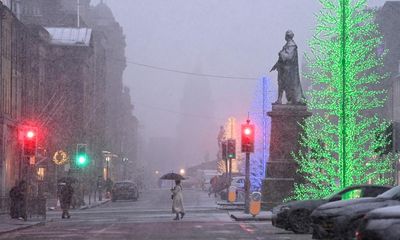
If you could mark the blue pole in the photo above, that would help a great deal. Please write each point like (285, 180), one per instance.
(264, 117)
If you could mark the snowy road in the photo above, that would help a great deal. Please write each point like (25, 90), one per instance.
(150, 218)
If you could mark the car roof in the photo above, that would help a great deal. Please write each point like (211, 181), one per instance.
(238, 177)
(370, 185)
(124, 182)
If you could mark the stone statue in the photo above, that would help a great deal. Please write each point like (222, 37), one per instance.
(288, 73)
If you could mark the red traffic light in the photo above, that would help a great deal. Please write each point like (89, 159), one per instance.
(30, 134)
(28, 137)
(248, 138)
(247, 131)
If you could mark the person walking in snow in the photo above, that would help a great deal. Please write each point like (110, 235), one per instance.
(177, 200)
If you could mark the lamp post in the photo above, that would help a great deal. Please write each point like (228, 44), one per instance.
(125, 162)
(108, 158)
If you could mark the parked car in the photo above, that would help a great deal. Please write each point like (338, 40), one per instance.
(238, 182)
(340, 220)
(295, 215)
(380, 224)
(125, 190)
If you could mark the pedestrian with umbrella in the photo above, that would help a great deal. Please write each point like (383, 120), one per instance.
(177, 196)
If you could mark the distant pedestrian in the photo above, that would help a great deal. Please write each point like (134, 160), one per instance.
(177, 200)
(100, 187)
(66, 193)
(213, 186)
(18, 201)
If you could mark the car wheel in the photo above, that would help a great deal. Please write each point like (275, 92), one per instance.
(300, 221)
(352, 228)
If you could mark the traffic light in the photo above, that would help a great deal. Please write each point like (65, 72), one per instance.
(29, 142)
(82, 158)
(224, 152)
(231, 151)
(247, 138)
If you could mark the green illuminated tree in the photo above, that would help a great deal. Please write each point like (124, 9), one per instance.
(341, 141)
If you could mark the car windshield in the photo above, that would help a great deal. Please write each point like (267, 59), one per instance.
(332, 195)
(390, 193)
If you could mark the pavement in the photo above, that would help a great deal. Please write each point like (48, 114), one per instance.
(95, 204)
(8, 225)
(150, 218)
(224, 205)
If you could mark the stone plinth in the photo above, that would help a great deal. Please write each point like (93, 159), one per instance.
(281, 167)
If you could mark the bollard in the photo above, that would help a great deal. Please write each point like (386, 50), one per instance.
(255, 203)
(232, 194)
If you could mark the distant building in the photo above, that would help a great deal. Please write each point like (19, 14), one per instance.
(388, 19)
(22, 65)
(161, 155)
(196, 131)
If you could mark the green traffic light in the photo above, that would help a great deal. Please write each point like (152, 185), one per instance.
(82, 161)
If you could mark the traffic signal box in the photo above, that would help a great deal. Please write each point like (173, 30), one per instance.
(29, 137)
(82, 158)
(248, 138)
(224, 150)
(231, 151)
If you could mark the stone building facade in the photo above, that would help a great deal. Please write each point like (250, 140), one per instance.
(23, 59)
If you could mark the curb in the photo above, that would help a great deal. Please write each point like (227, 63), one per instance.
(221, 203)
(94, 205)
(255, 219)
(23, 228)
(250, 218)
(230, 208)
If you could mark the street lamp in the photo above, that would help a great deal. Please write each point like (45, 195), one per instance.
(182, 171)
(108, 158)
(125, 162)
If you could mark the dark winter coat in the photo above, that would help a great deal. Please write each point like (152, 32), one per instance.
(66, 195)
(17, 205)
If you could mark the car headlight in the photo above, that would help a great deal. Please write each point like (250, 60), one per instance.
(285, 208)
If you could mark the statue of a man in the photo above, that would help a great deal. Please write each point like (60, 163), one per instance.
(288, 72)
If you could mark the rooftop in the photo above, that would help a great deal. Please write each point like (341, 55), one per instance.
(70, 36)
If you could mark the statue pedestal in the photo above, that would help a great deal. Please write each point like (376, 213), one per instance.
(281, 167)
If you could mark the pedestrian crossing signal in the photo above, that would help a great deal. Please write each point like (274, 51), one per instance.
(231, 149)
(82, 158)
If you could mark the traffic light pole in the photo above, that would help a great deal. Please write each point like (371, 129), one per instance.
(230, 170)
(247, 185)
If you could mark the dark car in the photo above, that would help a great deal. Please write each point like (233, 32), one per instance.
(340, 220)
(380, 224)
(125, 190)
(295, 215)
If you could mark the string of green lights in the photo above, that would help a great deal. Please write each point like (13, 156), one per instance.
(341, 144)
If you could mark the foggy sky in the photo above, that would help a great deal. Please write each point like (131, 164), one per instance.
(225, 37)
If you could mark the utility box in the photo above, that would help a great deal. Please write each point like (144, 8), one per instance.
(232, 194)
(255, 203)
